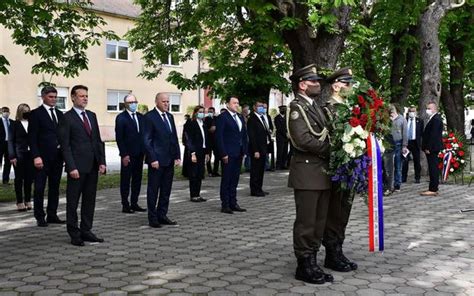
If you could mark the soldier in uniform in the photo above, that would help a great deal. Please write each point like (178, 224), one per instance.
(309, 135)
(340, 203)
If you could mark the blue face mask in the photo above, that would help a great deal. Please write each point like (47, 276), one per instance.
(264, 110)
(200, 115)
(133, 107)
(210, 114)
(261, 110)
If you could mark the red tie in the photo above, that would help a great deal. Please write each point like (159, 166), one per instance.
(87, 126)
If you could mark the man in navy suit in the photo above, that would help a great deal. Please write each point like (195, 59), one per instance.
(5, 129)
(432, 144)
(129, 137)
(162, 154)
(415, 133)
(231, 135)
(46, 153)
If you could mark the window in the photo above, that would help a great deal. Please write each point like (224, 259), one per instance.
(117, 50)
(170, 59)
(63, 93)
(175, 102)
(115, 99)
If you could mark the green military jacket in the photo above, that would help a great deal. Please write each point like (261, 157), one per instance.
(308, 131)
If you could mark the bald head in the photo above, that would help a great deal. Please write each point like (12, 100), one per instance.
(162, 101)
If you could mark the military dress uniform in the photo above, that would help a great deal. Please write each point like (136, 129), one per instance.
(340, 203)
(308, 133)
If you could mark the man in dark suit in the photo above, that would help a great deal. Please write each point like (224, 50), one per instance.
(46, 154)
(5, 130)
(432, 144)
(281, 139)
(415, 134)
(270, 157)
(162, 154)
(84, 155)
(259, 138)
(129, 136)
(231, 135)
(210, 124)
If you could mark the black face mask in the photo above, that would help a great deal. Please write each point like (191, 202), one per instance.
(26, 115)
(283, 112)
(313, 91)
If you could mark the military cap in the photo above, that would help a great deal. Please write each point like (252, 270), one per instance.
(281, 106)
(306, 73)
(341, 75)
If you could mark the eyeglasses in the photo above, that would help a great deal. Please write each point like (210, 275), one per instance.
(136, 102)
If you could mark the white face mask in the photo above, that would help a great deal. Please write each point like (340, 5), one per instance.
(429, 112)
(411, 114)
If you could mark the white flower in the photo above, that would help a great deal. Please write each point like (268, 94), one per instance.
(358, 130)
(451, 170)
(346, 138)
(353, 154)
(351, 132)
(364, 135)
(455, 145)
(348, 147)
(462, 160)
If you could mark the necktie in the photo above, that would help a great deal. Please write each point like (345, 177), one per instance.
(136, 121)
(237, 121)
(55, 120)
(86, 124)
(167, 123)
(410, 130)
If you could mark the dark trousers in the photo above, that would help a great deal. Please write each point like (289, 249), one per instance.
(6, 161)
(213, 170)
(230, 181)
(85, 187)
(159, 181)
(415, 155)
(131, 177)
(51, 172)
(196, 174)
(311, 213)
(282, 153)
(257, 170)
(24, 171)
(433, 170)
(339, 210)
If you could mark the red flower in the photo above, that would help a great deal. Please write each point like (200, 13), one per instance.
(441, 155)
(354, 122)
(361, 101)
(460, 144)
(356, 111)
(455, 140)
(453, 160)
(440, 166)
(461, 153)
(372, 93)
(456, 165)
(449, 146)
(451, 135)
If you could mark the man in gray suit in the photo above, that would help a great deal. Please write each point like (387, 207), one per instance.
(84, 155)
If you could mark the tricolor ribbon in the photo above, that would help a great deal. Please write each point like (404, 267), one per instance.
(446, 165)
(375, 195)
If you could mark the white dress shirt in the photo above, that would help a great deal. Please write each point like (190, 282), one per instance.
(201, 127)
(49, 111)
(136, 118)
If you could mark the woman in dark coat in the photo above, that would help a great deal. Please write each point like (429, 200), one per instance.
(20, 157)
(197, 145)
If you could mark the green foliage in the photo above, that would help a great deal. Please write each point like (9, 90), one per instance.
(59, 32)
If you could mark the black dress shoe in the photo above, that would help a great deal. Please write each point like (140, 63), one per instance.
(90, 237)
(41, 223)
(216, 175)
(155, 225)
(127, 210)
(195, 199)
(257, 194)
(54, 220)
(202, 199)
(137, 208)
(226, 211)
(167, 221)
(266, 192)
(77, 242)
(417, 181)
(238, 209)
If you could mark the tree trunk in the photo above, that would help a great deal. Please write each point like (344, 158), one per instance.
(430, 51)
(452, 93)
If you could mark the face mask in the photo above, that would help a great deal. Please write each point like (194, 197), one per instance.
(313, 91)
(200, 115)
(210, 114)
(5, 115)
(411, 114)
(429, 112)
(346, 92)
(260, 110)
(26, 115)
(264, 110)
(283, 112)
(133, 107)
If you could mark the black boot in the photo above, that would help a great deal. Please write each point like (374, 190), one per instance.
(317, 270)
(344, 259)
(333, 261)
(305, 273)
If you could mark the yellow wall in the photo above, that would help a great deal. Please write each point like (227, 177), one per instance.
(20, 86)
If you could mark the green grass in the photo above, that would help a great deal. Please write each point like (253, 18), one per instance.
(112, 180)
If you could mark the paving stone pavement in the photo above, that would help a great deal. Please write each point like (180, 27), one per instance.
(429, 248)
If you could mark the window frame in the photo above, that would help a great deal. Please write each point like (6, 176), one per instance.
(169, 62)
(121, 93)
(117, 44)
(180, 95)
